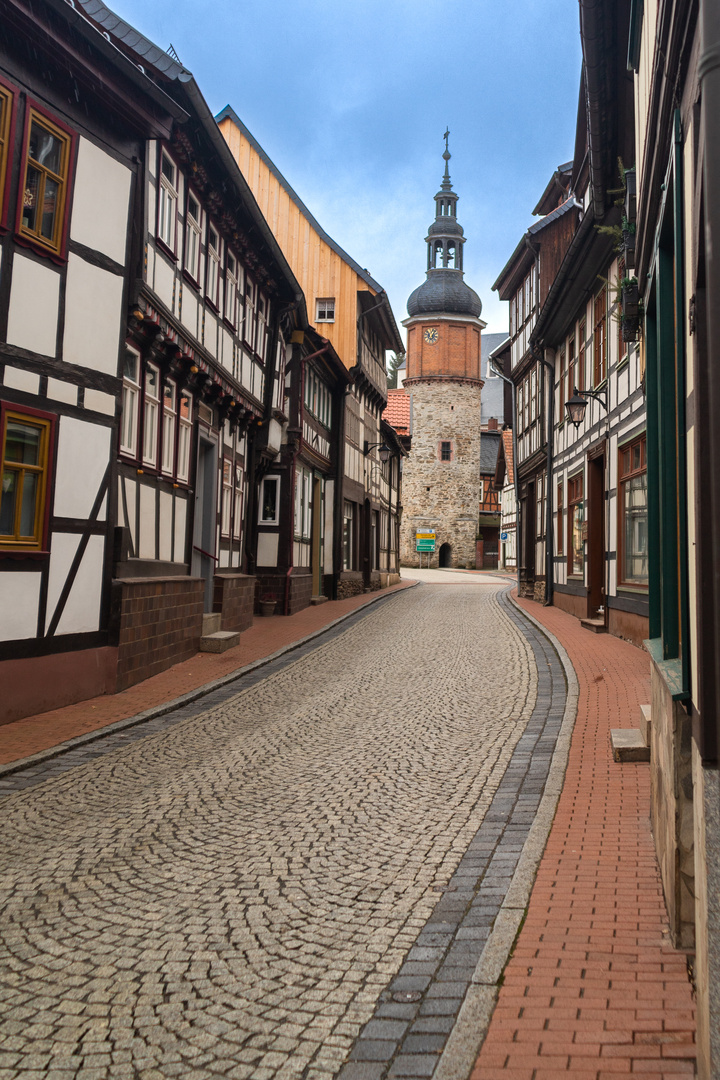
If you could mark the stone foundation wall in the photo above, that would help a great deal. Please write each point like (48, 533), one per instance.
(442, 495)
(36, 684)
(234, 597)
(671, 807)
(158, 623)
(350, 583)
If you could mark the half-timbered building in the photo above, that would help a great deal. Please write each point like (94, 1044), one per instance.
(349, 308)
(488, 534)
(75, 116)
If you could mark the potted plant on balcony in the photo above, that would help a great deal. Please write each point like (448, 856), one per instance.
(267, 604)
(630, 301)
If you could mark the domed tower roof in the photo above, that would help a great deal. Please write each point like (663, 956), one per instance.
(444, 289)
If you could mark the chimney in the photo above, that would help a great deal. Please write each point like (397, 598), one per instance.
(492, 424)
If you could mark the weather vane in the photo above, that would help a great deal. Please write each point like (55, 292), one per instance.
(445, 137)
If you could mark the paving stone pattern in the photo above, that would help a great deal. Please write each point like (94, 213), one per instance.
(238, 890)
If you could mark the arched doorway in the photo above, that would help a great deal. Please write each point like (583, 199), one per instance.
(445, 556)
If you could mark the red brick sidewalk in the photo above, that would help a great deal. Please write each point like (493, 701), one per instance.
(35, 733)
(594, 989)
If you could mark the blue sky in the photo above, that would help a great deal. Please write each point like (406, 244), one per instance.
(351, 102)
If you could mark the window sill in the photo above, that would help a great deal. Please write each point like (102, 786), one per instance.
(58, 257)
(162, 246)
(670, 671)
(633, 590)
(23, 553)
(193, 282)
(213, 306)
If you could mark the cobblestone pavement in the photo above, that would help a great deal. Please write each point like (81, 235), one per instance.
(236, 893)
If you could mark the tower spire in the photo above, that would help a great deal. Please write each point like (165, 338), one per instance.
(446, 185)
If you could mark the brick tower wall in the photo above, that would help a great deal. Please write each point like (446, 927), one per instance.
(436, 494)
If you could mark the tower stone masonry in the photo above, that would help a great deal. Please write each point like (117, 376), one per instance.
(441, 476)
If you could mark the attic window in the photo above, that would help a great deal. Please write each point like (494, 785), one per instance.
(325, 309)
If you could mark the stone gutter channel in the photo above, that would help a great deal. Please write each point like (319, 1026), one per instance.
(432, 1018)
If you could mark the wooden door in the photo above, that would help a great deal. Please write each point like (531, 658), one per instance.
(596, 606)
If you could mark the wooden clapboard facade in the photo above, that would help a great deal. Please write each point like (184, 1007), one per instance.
(74, 119)
(351, 310)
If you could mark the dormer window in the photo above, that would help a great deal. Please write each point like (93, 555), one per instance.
(325, 309)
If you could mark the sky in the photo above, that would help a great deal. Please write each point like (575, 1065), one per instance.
(351, 100)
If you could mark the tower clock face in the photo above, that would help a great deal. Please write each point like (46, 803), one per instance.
(430, 335)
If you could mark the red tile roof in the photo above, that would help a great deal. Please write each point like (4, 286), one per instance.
(397, 413)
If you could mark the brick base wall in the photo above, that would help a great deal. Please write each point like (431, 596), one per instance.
(299, 590)
(158, 622)
(234, 597)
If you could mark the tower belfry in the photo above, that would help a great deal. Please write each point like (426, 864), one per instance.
(441, 481)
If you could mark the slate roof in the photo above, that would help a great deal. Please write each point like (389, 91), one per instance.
(489, 443)
(397, 412)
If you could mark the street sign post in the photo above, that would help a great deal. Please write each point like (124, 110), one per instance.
(425, 543)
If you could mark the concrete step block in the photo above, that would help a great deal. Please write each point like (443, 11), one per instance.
(628, 744)
(318, 600)
(596, 625)
(646, 721)
(220, 641)
(211, 623)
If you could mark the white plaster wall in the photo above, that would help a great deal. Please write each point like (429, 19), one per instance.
(62, 391)
(166, 501)
(146, 538)
(83, 454)
(189, 315)
(34, 300)
(163, 284)
(82, 610)
(19, 379)
(100, 202)
(93, 311)
(210, 333)
(130, 494)
(267, 549)
(19, 598)
(180, 519)
(99, 402)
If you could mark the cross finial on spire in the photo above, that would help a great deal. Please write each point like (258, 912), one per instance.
(445, 137)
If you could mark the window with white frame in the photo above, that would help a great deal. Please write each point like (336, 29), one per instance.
(193, 236)
(169, 426)
(249, 324)
(213, 266)
(231, 286)
(348, 535)
(227, 492)
(303, 503)
(237, 502)
(184, 436)
(317, 397)
(130, 402)
(262, 312)
(150, 414)
(325, 309)
(270, 500)
(167, 201)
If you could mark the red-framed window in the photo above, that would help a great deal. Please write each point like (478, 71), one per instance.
(48, 156)
(193, 237)
(600, 338)
(27, 438)
(576, 518)
(212, 266)
(156, 421)
(561, 387)
(582, 333)
(633, 514)
(8, 103)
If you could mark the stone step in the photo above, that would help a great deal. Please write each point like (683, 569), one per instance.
(211, 623)
(318, 600)
(628, 744)
(646, 721)
(220, 641)
(596, 625)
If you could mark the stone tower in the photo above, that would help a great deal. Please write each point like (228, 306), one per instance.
(441, 476)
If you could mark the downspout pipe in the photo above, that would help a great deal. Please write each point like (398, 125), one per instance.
(709, 75)
(548, 489)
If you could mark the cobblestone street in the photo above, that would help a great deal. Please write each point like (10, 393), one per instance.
(290, 878)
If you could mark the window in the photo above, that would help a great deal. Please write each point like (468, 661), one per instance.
(193, 237)
(561, 387)
(571, 373)
(482, 492)
(25, 454)
(169, 424)
(576, 517)
(633, 516)
(325, 309)
(184, 437)
(130, 402)
(446, 451)
(150, 415)
(167, 201)
(600, 339)
(270, 500)
(231, 286)
(581, 357)
(237, 509)
(317, 397)
(44, 190)
(6, 115)
(348, 535)
(622, 344)
(262, 311)
(213, 266)
(560, 520)
(249, 325)
(227, 491)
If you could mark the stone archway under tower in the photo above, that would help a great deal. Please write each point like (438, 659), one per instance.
(445, 556)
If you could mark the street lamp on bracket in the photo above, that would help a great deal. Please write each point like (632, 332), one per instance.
(577, 404)
(384, 453)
